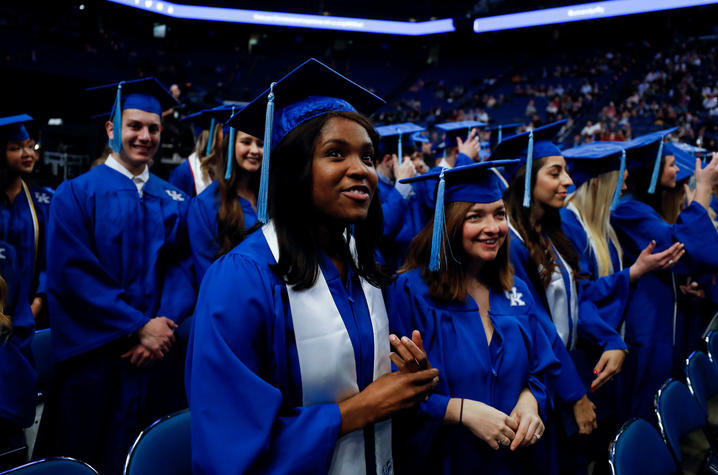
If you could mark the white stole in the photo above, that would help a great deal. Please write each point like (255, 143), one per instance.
(327, 365)
(196, 169)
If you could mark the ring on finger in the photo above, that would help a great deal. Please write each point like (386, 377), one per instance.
(670, 262)
(537, 435)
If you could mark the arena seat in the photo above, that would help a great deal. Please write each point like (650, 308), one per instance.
(638, 449)
(164, 448)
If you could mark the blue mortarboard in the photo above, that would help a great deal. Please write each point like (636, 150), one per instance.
(475, 183)
(527, 147)
(458, 129)
(417, 138)
(12, 128)
(309, 91)
(501, 131)
(593, 159)
(207, 118)
(648, 148)
(397, 136)
(146, 94)
(685, 155)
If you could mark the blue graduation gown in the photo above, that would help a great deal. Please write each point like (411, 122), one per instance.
(243, 377)
(653, 324)
(519, 356)
(202, 227)
(17, 228)
(17, 390)
(610, 293)
(115, 260)
(182, 178)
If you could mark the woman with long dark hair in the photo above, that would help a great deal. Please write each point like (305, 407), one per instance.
(543, 255)
(220, 216)
(654, 324)
(288, 368)
(479, 328)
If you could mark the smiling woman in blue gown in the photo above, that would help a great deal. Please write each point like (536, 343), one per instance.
(479, 329)
(288, 368)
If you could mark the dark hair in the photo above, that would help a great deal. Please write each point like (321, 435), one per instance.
(292, 212)
(448, 283)
(230, 217)
(526, 223)
(638, 183)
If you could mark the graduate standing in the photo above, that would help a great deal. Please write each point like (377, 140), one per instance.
(654, 326)
(289, 368)
(542, 255)
(119, 283)
(24, 208)
(220, 216)
(479, 329)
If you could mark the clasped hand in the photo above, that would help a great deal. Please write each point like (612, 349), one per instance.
(156, 338)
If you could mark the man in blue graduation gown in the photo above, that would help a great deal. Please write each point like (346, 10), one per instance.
(119, 283)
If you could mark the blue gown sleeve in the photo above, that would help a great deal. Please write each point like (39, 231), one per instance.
(77, 280)
(17, 391)
(463, 159)
(241, 420)
(609, 293)
(566, 386)
(637, 224)
(395, 211)
(202, 228)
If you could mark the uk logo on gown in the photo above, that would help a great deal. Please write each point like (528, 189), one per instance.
(175, 195)
(42, 198)
(515, 297)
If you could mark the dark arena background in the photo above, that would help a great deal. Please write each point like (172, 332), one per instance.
(622, 75)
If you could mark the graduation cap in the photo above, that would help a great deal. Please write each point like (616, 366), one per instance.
(207, 118)
(593, 159)
(12, 128)
(649, 147)
(498, 131)
(309, 91)
(527, 147)
(398, 136)
(475, 183)
(146, 94)
(458, 129)
(685, 155)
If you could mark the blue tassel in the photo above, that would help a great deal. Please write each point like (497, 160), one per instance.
(656, 169)
(211, 136)
(230, 151)
(500, 136)
(529, 165)
(400, 152)
(116, 142)
(436, 237)
(262, 213)
(621, 172)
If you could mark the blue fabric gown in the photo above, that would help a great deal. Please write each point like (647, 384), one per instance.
(518, 356)
(653, 324)
(115, 259)
(611, 292)
(17, 390)
(182, 178)
(202, 227)
(243, 377)
(16, 228)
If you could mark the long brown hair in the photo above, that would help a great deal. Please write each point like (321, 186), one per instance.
(292, 211)
(449, 283)
(209, 164)
(527, 224)
(230, 217)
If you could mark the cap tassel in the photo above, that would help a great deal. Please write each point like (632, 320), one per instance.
(436, 236)
(656, 169)
(262, 214)
(621, 172)
(211, 136)
(230, 151)
(116, 117)
(500, 135)
(400, 152)
(529, 165)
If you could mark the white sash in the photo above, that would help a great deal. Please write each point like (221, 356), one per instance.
(196, 169)
(327, 365)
